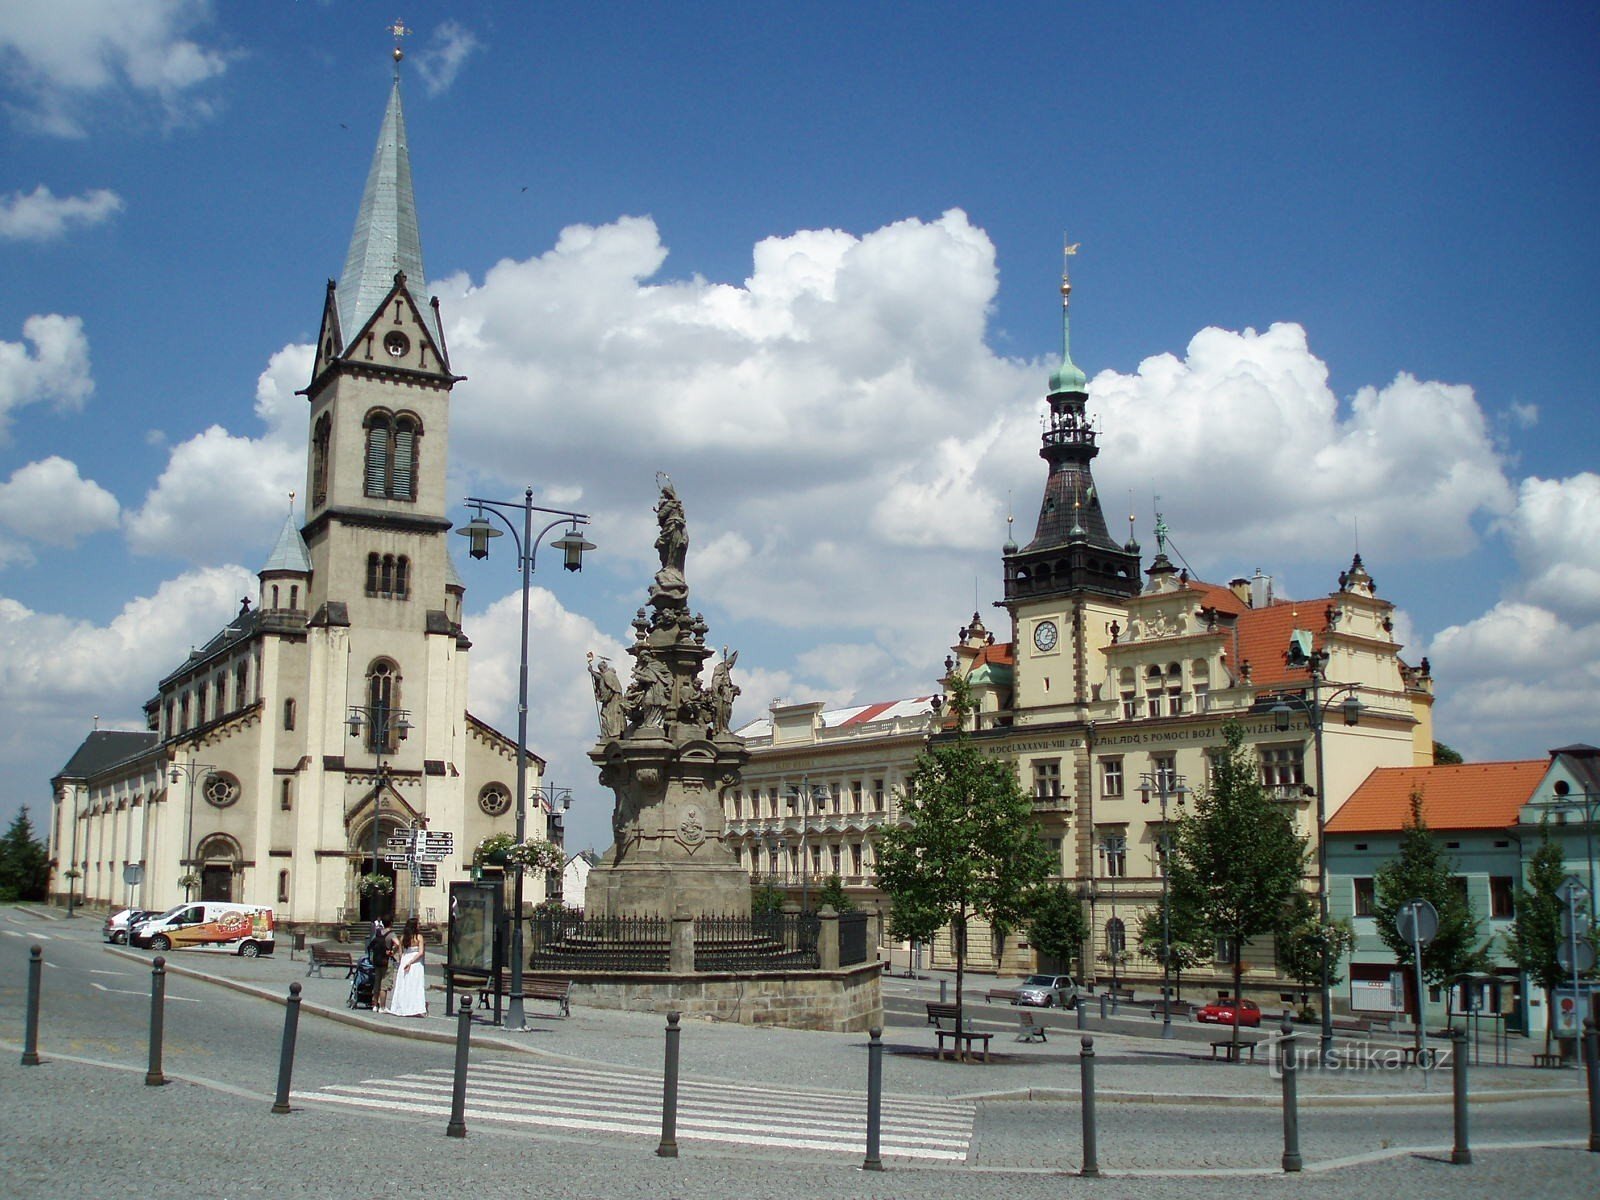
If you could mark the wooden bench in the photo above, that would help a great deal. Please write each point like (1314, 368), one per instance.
(1008, 995)
(534, 987)
(1547, 1060)
(1230, 1050)
(328, 954)
(962, 1041)
(1178, 1008)
(1352, 1025)
(1426, 1057)
(1030, 1028)
(938, 1011)
(1120, 994)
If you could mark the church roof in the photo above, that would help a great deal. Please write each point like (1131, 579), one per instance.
(1464, 796)
(290, 552)
(386, 238)
(104, 748)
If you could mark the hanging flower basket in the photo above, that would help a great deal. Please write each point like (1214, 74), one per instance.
(491, 852)
(375, 885)
(189, 880)
(72, 873)
(536, 854)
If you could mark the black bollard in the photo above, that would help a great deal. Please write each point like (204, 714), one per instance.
(1091, 1152)
(943, 984)
(1103, 999)
(458, 1091)
(291, 1026)
(1078, 1006)
(669, 1093)
(1461, 1153)
(1591, 1052)
(1289, 1069)
(158, 1004)
(874, 1161)
(30, 1037)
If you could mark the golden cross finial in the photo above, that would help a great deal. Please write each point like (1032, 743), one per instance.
(398, 30)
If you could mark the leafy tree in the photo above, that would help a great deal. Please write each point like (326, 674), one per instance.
(1535, 936)
(1422, 871)
(1189, 943)
(966, 846)
(766, 899)
(1304, 941)
(1445, 756)
(1056, 925)
(1236, 861)
(24, 861)
(832, 892)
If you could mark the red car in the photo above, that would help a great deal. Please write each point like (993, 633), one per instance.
(1227, 1011)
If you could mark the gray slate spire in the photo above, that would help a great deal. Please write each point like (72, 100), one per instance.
(386, 238)
(290, 553)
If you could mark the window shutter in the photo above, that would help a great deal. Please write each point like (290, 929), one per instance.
(402, 486)
(377, 459)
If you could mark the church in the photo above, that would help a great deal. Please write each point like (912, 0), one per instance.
(285, 758)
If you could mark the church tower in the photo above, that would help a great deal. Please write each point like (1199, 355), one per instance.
(1066, 586)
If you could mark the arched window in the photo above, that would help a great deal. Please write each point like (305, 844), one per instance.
(286, 795)
(1116, 936)
(274, 595)
(294, 596)
(393, 443)
(241, 681)
(283, 887)
(383, 696)
(402, 572)
(288, 714)
(319, 460)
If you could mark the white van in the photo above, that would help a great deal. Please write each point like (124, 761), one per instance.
(216, 925)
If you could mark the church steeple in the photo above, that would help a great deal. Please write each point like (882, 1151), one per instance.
(1071, 550)
(386, 240)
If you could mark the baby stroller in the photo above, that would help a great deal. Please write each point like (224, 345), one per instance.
(363, 979)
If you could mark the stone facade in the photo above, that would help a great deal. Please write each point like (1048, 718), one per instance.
(849, 1000)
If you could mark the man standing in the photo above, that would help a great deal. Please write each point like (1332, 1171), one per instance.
(378, 952)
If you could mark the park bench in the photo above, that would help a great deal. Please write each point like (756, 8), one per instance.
(996, 995)
(962, 1041)
(1547, 1060)
(1352, 1025)
(328, 954)
(534, 987)
(1178, 1008)
(940, 1011)
(1230, 1050)
(1121, 994)
(1030, 1028)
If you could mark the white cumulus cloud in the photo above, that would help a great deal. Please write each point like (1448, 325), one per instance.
(41, 215)
(447, 51)
(48, 501)
(62, 57)
(56, 369)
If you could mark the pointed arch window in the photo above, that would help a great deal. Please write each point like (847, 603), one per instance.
(393, 447)
(383, 697)
(388, 575)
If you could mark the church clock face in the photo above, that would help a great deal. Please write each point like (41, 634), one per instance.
(1044, 635)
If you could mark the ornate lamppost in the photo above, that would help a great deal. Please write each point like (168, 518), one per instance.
(191, 770)
(807, 798)
(1316, 708)
(1164, 784)
(550, 797)
(572, 545)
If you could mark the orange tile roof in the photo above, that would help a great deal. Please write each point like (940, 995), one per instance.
(1468, 796)
(1263, 637)
(1000, 654)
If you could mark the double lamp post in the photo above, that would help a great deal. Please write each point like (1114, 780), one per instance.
(1164, 785)
(387, 727)
(572, 545)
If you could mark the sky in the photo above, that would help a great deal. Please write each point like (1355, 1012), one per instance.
(1334, 291)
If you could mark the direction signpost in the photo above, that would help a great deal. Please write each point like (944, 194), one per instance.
(1418, 922)
(420, 851)
(1575, 956)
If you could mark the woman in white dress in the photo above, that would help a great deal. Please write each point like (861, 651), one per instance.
(409, 995)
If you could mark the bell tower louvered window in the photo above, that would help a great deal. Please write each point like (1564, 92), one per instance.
(393, 443)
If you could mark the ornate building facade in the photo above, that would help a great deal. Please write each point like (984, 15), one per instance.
(330, 715)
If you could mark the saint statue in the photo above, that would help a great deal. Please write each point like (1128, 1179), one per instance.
(673, 540)
(723, 691)
(607, 696)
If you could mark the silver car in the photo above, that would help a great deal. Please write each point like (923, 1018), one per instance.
(1047, 991)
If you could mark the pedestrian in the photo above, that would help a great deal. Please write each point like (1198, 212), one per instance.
(408, 997)
(378, 956)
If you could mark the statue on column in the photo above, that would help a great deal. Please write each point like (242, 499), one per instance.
(607, 697)
(723, 692)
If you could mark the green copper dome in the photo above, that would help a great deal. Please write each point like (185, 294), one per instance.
(1067, 377)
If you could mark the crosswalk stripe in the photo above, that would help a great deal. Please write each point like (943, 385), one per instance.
(590, 1101)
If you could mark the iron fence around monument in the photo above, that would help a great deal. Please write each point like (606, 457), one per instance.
(569, 941)
(763, 942)
(852, 938)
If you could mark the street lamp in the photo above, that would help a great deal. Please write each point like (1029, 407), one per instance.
(387, 725)
(1316, 708)
(807, 797)
(1164, 784)
(550, 796)
(1588, 803)
(192, 770)
(572, 545)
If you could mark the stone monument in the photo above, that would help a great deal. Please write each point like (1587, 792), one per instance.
(666, 752)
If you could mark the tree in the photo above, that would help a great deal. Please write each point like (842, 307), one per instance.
(1183, 938)
(1236, 861)
(966, 845)
(24, 861)
(1057, 927)
(1304, 941)
(1445, 756)
(765, 899)
(832, 893)
(1535, 937)
(1422, 871)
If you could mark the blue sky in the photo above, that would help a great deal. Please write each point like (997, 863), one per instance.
(1335, 283)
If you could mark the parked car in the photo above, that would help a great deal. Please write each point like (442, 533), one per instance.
(117, 925)
(1225, 1010)
(1047, 991)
